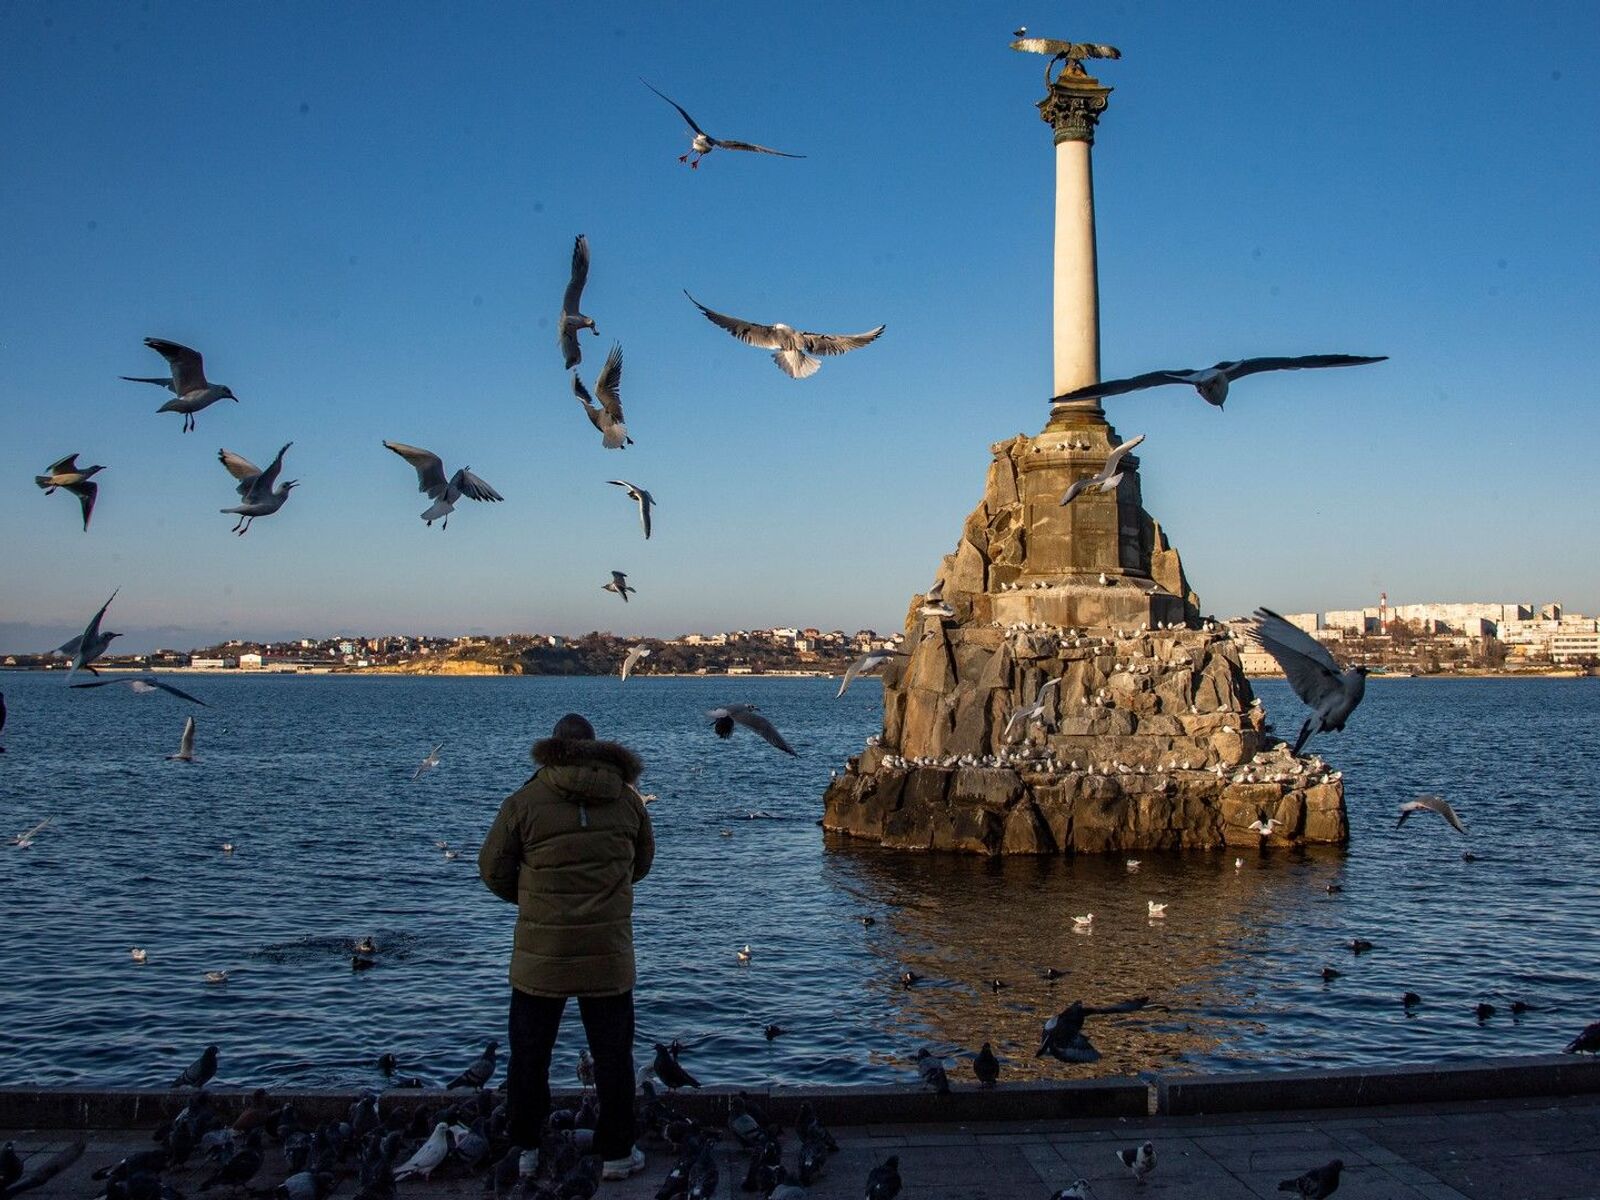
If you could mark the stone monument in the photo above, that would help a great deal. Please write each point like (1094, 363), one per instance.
(1149, 736)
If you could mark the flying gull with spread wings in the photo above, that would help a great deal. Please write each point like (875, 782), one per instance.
(606, 416)
(1312, 673)
(632, 660)
(866, 664)
(1212, 382)
(792, 348)
(259, 497)
(1027, 714)
(66, 474)
(1109, 477)
(703, 143)
(572, 319)
(723, 720)
(643, 498)
(619, 584)
(1436, 804)
(190, 389)
(88, 645)
(142, 685)
(185, 743)
(443, 492)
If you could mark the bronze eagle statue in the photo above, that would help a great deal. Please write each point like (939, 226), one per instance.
(1070, 53)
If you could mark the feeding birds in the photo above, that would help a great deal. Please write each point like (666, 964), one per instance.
(190, 389)
(88, 645)
(606, 413)
(65, 473)
(258, 496)
(619, 584)
(443, 492)
(572, 320)
(723, 720)
(703, 143)
(1107, 478)
(1331, 693)
(1436, 804)
(643, 498)
(1212, 382)
(792, 348)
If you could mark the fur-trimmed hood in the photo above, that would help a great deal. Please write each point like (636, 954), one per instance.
(584, 752)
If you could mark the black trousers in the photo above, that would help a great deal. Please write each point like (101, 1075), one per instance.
(608, 1024)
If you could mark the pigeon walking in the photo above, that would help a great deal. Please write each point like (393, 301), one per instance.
(1212, 382)
(644, 499)
(572, 320)
(1437, 804)
(479, 1073)
(1140, 1160)
(606, 413)
(1108, 477)
(88, 645)
(619, 584)
(723, 720)
(703, 143)
(1317, 1183)
(792, 348)
(66, 474)
(443, 492)
(190, 389)
(259, 497)
(1332, 694)
(185, 743)
(883, 1181)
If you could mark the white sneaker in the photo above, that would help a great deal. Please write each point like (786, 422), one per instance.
(528, 1163)
(621, 1168)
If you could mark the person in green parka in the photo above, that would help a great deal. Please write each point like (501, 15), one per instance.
(566, 849)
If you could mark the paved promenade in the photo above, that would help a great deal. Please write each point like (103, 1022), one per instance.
(1527, 1149)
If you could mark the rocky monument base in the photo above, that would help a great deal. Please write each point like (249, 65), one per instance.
(1150, 738)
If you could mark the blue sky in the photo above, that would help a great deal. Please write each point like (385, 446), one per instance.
(363, 217)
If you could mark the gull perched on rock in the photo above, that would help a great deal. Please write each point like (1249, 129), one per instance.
(792, 348)
(88, 645)
(1212, 382)
(1108, 477)
(619, 585)
(443, 492)
(644, 499)
(723, 720)
(259, 498)
(867, 663)
(703, 143)
(573, 320)
(1029, 713)
(143, 684)
(1312, 673)
(66, 474)
(1436, 804)
(632, 660)
(188, 384)
(606, 414)
(428, 763)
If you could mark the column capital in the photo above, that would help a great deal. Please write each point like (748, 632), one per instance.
(1073, 106)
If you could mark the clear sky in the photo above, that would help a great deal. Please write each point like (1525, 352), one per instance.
(363, 216)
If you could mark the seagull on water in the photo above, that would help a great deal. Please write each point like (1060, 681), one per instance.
(190, 390)
(1312, 673)
(632, 660)
(619, 584)
(723, 720)
(573, 320)
(1212, 382)
(142, 685)
(25, 839)
(428, 763)
(1029, 713)
(643, 498)
(443, 492)
(867, 663)
(606, 415)
(139, 955)
(1109, 475)
(88, 645)
(703, 143)
(1436, 804)
(792, 348)
(1084, 922)
(1155, 910)
(65, 473)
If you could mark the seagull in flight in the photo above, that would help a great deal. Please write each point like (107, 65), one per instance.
(428, 763)
(88, 645)
(868, 662)
(1263, 826)
(443, 492)
(607, 416)
(1212, 382)
(1312, 673)
(723, 720)
(1029, 713)
(573, 320)
(1436, 804)
(23, 840)
(644, 499)
(67, 474)
(1109, 477)
(185, 748)
(142, 685)
(703, 143)
(792, 348)
(260, 499)
(632, 660)
(619, 585)
(189, 387)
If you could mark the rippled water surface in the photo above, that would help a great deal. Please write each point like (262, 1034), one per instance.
(310, 779)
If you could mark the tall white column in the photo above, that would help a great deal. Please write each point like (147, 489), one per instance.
(1077, 279)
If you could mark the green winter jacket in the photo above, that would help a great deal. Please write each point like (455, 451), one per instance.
(566, 849)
